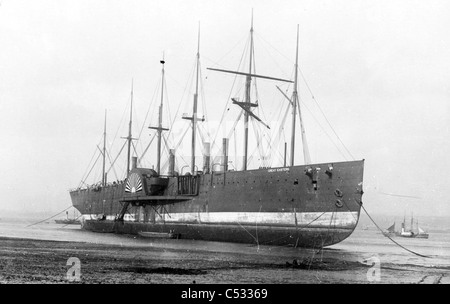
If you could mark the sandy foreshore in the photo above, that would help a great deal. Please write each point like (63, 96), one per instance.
(41, 261)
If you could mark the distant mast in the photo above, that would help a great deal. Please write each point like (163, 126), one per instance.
(295, 104)
(194, 110)
(194, 117)
(246, 105)
(160, 128)
(104, 154)
(158, 166)
(130, 138)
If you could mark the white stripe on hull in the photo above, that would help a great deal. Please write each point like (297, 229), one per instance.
(301, 219)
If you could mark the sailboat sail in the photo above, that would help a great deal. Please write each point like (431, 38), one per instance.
(391, 228)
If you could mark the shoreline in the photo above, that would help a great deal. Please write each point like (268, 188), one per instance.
(26, 261)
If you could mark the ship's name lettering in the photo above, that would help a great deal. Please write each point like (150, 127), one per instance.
(278, 170)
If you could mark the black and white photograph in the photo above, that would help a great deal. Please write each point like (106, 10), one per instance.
(224, 143)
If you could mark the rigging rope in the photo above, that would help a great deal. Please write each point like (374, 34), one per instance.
(166, 163)
(323, 114)
(69, 223)
(123, 146)
(204, 108)
(188, 85)
(138, 138)
(114, 169)
(280, 130)
(136, 123)
(258, 36)
(237, 43)
(134, 148)
(321, 127)
(314, 99)
(84, 181)
(259, 144)
(145, 150)
(167, 105)
(119, 125)
(306, 155)
(50, 217)
(148, 111)
(201, 136)
(413, 252)
(229, 96)
(235, 150)
(235, 123)
(89, 166)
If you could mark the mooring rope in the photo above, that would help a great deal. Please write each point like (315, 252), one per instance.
(50, 217)
(413, 252)
(70, 223)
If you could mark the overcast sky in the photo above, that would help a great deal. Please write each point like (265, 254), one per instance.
(379, 70)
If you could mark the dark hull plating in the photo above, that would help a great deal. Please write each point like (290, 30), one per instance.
(310, 206)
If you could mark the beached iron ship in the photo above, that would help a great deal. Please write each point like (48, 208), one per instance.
(310, 205)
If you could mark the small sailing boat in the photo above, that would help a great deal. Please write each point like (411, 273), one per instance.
(406, 233)
(422, 234)
(411, 233)
(67, 220)
(390, 231)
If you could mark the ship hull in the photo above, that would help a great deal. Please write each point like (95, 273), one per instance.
(422, 236)
(280, 206)
(263, 235)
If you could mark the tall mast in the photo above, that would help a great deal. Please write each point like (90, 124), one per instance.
(158, 165)
(194, 111)
(295, 106)
(247, 97)
(160, 128)
(130, 138)
(194, 117)
(246, 105)
(104, 153)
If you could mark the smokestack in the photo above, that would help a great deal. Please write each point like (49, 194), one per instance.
(134, 162)
(171, 162)
(207, 156)
(225, 154)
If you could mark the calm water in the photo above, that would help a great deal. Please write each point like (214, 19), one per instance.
(364, 243)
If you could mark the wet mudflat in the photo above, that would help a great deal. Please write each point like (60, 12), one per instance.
(167, 262)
